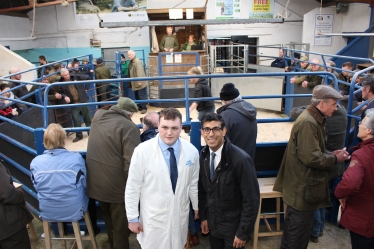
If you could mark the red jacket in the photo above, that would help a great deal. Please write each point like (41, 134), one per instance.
(6, 111)
(358, 187)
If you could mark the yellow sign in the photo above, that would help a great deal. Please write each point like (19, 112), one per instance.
(261, 6)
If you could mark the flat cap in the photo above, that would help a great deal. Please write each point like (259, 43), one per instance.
(326, 92)
(127, 104)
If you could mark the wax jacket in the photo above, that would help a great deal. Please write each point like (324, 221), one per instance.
(136, 70)
(230, 202)
(303, 174)
(357, 186)
(113, 138)
(13, 212)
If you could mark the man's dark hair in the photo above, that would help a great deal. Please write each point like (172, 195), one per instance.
(347, 64)
(57, 66)
(211, 116)
(42, 57)
(170, 114)
(368, 80)
(3, 86)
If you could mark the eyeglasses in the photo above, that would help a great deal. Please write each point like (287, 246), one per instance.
(215, 130)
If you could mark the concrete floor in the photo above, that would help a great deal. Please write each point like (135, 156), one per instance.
(333, 238)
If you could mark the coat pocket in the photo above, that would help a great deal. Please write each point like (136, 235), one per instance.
(315, 190)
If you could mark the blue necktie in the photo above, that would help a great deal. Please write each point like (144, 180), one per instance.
(212, 166)
(173, 169)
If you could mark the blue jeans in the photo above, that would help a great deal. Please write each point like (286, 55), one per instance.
(141, 95)
(191, 222)
(318, 222)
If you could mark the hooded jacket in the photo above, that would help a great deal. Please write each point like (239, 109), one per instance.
(230, 202)
(241, 124)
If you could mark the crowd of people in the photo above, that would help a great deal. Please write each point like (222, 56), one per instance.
(153, 184)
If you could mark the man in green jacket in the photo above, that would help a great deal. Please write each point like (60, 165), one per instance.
(303, 174)
(313, 80)
(102, 73)
(169, 43)
(113, 138)
(139, 87)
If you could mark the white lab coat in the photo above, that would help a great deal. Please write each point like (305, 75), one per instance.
(163, 215)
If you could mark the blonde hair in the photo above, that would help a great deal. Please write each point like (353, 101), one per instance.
(54, 137)
(193, 37)
(195, 71)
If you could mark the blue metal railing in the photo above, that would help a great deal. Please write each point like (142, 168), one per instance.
(195, 126)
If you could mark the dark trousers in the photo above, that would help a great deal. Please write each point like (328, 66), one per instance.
(102, 91)
(19, 240)
(77, 112)
(218, 243)
(141, 95)
(361, 242)
(115, 219)
(297, 229)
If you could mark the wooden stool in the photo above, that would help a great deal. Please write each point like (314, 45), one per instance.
(78, 238)
(266, 191)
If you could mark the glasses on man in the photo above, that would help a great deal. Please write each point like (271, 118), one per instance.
(215, 130)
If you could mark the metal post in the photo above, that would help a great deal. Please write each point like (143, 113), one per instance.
(195, 134)
(38, 138)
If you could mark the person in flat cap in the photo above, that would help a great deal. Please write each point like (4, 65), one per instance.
(240, 119)
(303, 174)
(113, 138)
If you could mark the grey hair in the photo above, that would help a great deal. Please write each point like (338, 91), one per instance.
(234, 100)
(316, 101)
(127, 113)
(370, 120)
(331, 63)
(131, 52)
(195, 71)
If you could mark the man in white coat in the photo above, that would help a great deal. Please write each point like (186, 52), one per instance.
(163, 176)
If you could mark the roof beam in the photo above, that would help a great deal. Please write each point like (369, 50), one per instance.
(188, 22)
(37, 5)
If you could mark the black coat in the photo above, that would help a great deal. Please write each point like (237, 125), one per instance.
(20, 92)
(241, 124)
(202, 90)
(64, 90)
(231, 202)
(13, 212)
(148, 134)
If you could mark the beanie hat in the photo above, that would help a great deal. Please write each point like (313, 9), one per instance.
(304, 58)
(123, 56)
(228, 92)
(99, 60)
(127, 104)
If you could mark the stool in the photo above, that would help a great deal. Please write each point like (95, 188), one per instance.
(78, 238)
(266, 192)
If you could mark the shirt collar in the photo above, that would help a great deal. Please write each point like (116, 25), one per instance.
(218, 152)
(165, 147)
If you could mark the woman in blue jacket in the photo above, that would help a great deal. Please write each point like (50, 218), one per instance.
(59, 176)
